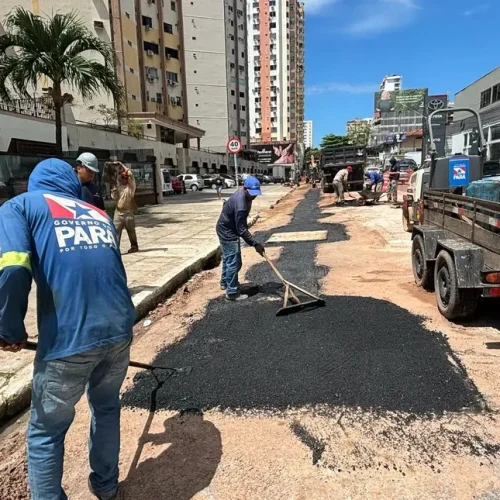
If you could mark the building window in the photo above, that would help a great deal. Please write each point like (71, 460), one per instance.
(242, 94)
(233, 93)
(128, 15)
(272, 25)
(241, 68)
(231, 37)
(243, 55)
(131, 70)
(154, 47)
(234, 106)
(485, 98)
(496, 93)
(171, 76)
(232, 65)
(134, 98)
(172, 5)
(168, 28)
(147, 22)
(230, 8)
(129, 43)
(159, 97)
(243, 108)
(178, 101)
(171, 53)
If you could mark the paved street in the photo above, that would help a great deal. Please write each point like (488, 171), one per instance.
(172, 237)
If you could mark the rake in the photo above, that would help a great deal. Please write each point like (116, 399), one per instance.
(290, 295)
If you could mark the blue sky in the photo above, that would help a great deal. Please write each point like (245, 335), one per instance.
(351, 45)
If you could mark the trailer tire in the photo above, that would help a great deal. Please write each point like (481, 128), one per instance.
(423, 270)
(453, 302)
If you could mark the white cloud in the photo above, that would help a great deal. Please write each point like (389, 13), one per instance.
(314, 6)
(346, 88)
(480, 9)
(384, 15)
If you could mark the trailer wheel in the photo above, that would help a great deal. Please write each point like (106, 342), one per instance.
(423, 271)
(453, 302)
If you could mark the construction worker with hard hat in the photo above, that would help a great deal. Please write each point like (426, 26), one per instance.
(86, 169)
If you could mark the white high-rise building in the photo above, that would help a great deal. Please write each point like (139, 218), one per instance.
(391, 83)
(308, 134)
(276, 70)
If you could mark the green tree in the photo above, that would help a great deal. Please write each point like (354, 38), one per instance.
(58, 48)
(359, 132)
(334, 141)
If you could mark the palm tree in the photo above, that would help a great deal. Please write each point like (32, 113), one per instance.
(58, 48)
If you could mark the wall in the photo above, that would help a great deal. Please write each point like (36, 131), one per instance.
(28, 128)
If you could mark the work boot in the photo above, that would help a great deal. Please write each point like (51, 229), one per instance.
(133, 250)
(236, 297)
(109, 496)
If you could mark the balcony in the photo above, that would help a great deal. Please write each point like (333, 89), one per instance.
(40, 107)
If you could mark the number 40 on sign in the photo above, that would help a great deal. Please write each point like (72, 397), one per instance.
(234, 145)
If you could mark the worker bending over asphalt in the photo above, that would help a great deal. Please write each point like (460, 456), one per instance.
(85, 320)
(340, 183)
(86, 169)
(376, 181)
(231, 226)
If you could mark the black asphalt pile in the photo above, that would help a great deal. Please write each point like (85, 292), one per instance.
(355, 352)
(296, 262)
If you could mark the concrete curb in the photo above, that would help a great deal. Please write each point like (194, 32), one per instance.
(16, 396)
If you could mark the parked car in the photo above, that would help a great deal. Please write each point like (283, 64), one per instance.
(406, 168)
(210, 181)
(192, 181)
(267, 179)
(166, 180)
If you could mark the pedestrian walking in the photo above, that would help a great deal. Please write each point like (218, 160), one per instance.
(218, 187)
(123, 193)
(86, 169)
(85, 320)
(394, 170)
(340, 183)
(231, 226)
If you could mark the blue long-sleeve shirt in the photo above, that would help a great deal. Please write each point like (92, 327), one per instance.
(69, 248)
(375, 178)
(232, 223)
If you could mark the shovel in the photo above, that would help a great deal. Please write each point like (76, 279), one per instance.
(297, 305)
(185, 370)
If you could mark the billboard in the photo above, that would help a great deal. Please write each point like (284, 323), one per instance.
(389, 103)
(435, 103)
(278, 153)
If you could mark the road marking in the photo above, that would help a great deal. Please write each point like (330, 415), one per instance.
(298, 236)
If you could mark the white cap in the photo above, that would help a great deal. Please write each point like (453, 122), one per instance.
(90, 161)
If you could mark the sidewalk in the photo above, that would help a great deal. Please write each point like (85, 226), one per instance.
(176, 239)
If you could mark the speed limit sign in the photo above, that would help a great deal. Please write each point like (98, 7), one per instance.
(234, 145)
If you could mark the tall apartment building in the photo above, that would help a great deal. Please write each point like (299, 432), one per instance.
(308, 134)
(391, 83)
(216, 69)
(276, 70)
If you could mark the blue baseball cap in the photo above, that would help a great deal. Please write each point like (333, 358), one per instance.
(252, 185)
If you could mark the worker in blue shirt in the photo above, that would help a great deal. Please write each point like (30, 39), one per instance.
(231, 226)
(85, 319)
(376, 180)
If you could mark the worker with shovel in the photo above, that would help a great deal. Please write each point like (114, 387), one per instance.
(85, 320)
(231, 226)
(340, 183)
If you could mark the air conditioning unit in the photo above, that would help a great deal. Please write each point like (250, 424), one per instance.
(169, 56)
(150, 53)
(172, 100)
(147, 27)
(153, 99)
(169, 82)
(151, 79)
(98, 25)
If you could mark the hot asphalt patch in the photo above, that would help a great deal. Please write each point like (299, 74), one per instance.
(358, 352)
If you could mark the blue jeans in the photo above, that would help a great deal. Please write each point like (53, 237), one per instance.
(57, 386)
(231, 265)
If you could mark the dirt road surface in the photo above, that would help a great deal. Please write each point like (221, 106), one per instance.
(374, 396)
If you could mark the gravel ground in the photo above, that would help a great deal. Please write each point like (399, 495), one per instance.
(358, 351)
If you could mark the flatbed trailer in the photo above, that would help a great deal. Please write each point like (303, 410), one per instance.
(456, 251)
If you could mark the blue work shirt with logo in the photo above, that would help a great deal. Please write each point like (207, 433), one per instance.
(69, 248)
(375, 178)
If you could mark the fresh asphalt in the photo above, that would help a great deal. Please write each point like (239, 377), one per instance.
(356, 352)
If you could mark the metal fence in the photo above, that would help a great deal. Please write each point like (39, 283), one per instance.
(40, 107)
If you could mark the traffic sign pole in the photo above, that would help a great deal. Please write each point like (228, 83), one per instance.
(234, 147)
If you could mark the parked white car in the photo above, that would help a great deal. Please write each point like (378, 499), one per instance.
(192, 181)
(166, 182)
